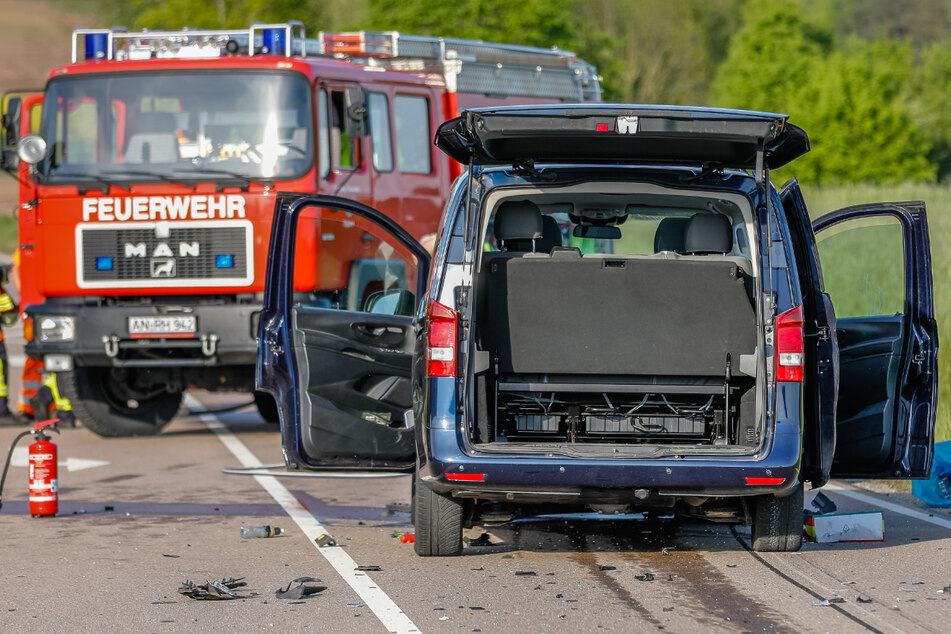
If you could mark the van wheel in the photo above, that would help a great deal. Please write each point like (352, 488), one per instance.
(777, 524)
(437, 519)
(110, 406)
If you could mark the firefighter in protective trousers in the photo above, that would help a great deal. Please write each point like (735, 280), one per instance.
(8, 317)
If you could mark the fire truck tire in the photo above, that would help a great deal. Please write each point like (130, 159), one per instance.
(108, 407)
(267, 408)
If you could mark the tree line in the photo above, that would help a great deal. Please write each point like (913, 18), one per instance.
(867, 79)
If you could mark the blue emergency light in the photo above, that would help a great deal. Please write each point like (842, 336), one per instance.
(273, 41)
(104, 263)
(224, 261)
(97, 45)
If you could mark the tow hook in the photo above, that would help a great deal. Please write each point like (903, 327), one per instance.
(112, 345)
(209, 343)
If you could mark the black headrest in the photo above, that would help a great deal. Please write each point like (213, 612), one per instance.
(670, 235)
(551, 235)
(518, 220)
(708, 233)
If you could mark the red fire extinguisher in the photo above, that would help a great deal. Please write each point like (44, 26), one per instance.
(42, 463)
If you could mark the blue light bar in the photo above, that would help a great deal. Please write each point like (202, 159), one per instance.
(104, 263)
(273, 41)
(224, 261)
(96, 45)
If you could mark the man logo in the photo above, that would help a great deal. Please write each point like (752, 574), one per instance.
(163, 267)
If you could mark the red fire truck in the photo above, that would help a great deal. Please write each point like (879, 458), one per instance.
(147, 195)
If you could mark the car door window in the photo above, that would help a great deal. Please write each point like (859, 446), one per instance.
(864, 266)
(358, 266)
(379, 116)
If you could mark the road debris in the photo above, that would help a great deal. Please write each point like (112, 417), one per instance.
(607, 568)
(408, 538)
(213, 590)
(823, 504)
(325, 540)
(525, 573)
(481, 540)
(867, 526)
(647, 576)
(368, 568)
(825, 602)
(170, 556)
(302, 590)
(863, 600)
(252, 532)
(356, 605)
(667, 551)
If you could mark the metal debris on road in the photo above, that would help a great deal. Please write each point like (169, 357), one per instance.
(356, 605)
(863, 600)
(301, 591)
(525, 573)
(645, 577)
(825, 602)
(607, 568)
(171, 556)
(369, 568)
(325, 540)
(823, 504)
(213, 590)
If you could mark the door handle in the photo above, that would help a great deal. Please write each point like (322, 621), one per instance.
(376, 330)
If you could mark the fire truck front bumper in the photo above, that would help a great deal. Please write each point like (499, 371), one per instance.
(145, 335)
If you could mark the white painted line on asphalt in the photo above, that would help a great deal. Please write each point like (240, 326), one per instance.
(385, 609)
(891, 506)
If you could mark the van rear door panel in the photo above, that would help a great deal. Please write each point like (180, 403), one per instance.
(877, 268)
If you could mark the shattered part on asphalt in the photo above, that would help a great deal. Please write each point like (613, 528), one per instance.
(214, 590)
(607, 568)
(481, 540)
(301, 591)
(826, 602)
(823, 504)
(524, 573)
(325, 540)
(863, 600)
(368, 568)
(647, 576)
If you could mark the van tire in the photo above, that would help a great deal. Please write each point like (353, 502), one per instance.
(777, 524)
(437, 519)
(104, 404)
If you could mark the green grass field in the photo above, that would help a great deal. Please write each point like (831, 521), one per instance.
(938, 200)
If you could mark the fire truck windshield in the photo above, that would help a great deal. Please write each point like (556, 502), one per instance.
(178, 125)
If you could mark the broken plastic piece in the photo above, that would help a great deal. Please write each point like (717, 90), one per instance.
(408, 538)
(300, 591)
(481, 540)
(823, 504)
(369, 568)
(863, 600)
(647, 576)
(607, 568)
(213, 590)
(829, 601)
(325, 540)
(524, 573)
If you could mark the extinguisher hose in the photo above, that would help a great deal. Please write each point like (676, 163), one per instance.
(6, 467)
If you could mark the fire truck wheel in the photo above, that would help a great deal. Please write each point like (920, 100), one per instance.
(267, 408)
(111, 406)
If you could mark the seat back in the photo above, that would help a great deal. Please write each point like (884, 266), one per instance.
(154, 139)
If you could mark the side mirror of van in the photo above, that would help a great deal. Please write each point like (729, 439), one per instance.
(393, 302)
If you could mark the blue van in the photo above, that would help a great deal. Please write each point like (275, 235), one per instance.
(621, 313)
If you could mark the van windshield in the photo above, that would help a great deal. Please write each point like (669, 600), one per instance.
(178, 125)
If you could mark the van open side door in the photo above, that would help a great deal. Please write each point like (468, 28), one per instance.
(876, 267)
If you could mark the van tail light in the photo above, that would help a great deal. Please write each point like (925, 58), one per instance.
(441, 342)
(789, 345)
(754, 481)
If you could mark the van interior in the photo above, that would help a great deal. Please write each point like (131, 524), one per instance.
(617, 323)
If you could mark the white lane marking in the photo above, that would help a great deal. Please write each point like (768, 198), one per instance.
(20, 458)
(378, 601)
(891, 506)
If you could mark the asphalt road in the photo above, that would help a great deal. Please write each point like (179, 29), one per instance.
(138, 517)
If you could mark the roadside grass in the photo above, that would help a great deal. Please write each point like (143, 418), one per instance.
(937, 198)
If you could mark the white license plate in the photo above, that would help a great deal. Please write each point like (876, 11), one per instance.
(166, 325)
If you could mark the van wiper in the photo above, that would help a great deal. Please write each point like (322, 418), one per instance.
(237, 175)
(91, 177)
(161, 177)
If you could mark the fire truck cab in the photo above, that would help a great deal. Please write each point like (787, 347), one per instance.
(147, 197)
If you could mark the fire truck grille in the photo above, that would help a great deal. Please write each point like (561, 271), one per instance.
(166, 255)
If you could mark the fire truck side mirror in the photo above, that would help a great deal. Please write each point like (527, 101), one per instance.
(9, 129)
(355, 121)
